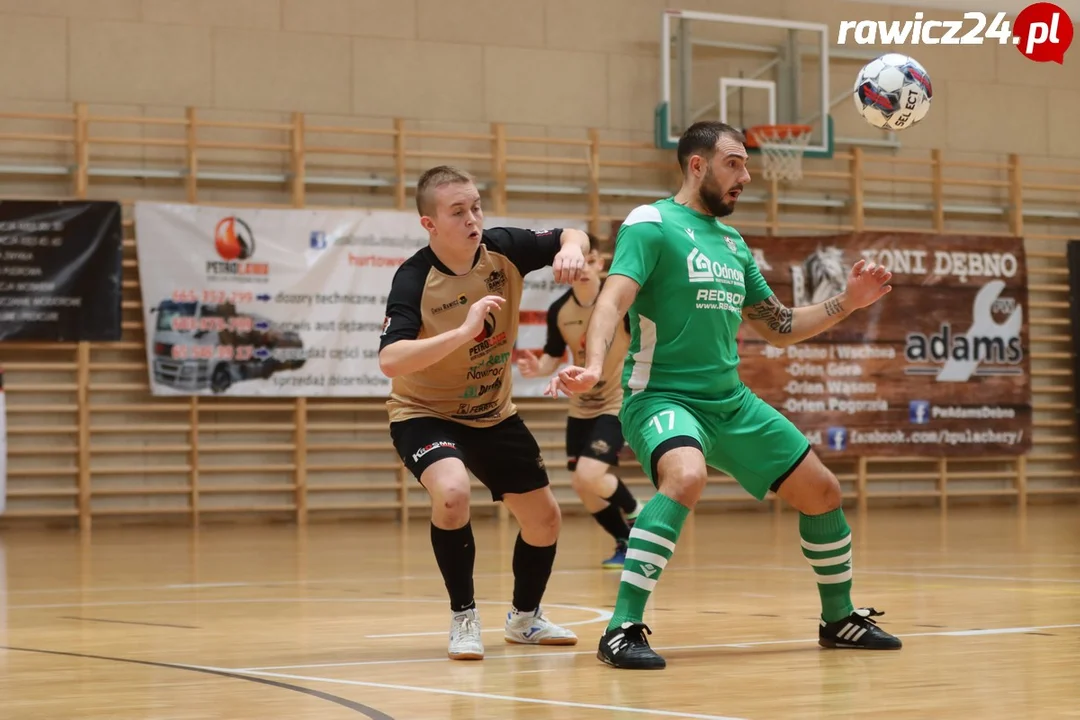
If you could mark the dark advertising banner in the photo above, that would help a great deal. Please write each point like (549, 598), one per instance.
(60, 265)
(1073, 258)
(939, 366)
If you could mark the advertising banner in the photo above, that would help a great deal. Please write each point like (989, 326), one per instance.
(60, 266)
(286, 303)
(1072, 255)
(939, 366)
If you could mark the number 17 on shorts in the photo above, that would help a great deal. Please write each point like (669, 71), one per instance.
(665, 419)
(651, 421)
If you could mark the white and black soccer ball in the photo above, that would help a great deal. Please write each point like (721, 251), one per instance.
(893, 92)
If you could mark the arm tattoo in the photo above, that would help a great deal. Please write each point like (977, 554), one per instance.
(833, 307)
(773, 313)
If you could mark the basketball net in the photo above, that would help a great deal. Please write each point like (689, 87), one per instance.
(782, 148)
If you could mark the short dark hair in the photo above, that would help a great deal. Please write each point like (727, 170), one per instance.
(594, 242)
(701, 138)
(435, 178)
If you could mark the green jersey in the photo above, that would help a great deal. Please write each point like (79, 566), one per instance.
(696, 275)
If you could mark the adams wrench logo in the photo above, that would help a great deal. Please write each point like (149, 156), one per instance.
(987, 348)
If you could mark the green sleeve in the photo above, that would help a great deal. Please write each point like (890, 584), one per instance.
(638, 245)
(756, 287)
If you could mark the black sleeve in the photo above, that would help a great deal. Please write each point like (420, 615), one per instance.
(529, 250)
(402, 321)
(556, 343)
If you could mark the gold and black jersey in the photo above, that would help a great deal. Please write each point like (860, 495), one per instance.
(567, 323)
(471, 385)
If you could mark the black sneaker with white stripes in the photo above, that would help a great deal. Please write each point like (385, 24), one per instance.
(626, 647)
(857, 631)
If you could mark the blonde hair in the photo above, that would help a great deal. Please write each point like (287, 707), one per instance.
(435, 178)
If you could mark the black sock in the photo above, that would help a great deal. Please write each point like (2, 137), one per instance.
(623, 498)
(532, 568)
(455, 551)
(612, 520)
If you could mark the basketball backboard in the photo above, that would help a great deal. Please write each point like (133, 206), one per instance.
(745, 71)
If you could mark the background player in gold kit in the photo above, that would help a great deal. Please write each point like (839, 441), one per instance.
(593, 432)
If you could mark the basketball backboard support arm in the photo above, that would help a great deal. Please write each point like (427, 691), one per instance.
(786, 94)
(728, 82)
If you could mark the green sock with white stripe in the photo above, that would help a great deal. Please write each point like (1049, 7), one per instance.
(652, 543)
(826, 544)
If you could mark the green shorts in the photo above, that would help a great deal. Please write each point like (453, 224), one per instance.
(739, 434)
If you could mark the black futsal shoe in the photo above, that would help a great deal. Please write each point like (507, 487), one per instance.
(625, 647)
(857, 632)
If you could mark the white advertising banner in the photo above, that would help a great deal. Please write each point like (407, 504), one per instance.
(287, 303)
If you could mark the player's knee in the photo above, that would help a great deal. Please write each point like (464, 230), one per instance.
(583, 480)
(832, 496)
(550, 517)
(820, 496)
(450, 495)
(541, 519)
(684, 482)
(452, 506)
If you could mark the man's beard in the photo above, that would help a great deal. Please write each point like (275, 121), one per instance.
(712, 197)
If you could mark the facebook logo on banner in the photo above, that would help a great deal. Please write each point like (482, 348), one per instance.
(837, 438)
(919, 412)
(318, 240)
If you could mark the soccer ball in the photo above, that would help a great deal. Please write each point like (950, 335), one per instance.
(892, 92)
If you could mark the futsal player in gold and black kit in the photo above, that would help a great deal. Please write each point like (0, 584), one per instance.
(451, 324)
(594, 434)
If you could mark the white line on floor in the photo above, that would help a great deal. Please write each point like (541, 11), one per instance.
(479, 695)
(601, 615)
(710, 646)
(578, 571)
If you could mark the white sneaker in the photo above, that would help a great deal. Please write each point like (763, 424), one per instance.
(465, 642)
(534, 629)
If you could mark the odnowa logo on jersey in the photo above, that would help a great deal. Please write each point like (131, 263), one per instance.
(700, 268)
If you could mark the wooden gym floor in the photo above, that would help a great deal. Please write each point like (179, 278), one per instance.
(349, 620)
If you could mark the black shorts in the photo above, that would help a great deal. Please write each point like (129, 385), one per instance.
(599, 438)
(504, 457)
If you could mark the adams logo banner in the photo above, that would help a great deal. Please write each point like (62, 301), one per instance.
(287, 303)
(940, 366)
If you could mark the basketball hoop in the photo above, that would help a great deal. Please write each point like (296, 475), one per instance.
(782, 148)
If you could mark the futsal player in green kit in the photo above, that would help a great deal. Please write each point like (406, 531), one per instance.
(688, 281)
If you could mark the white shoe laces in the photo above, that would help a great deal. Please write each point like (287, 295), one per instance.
(467, 628)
